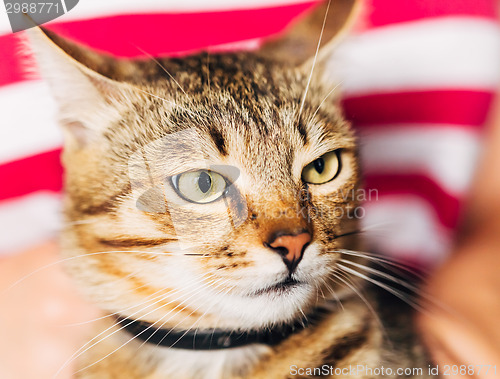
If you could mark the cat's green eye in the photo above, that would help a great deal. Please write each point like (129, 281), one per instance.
(323, 169)
(201, 186)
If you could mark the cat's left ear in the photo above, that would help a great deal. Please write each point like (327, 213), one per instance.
(313, 36)
(89, 98)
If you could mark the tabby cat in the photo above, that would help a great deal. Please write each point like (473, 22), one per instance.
(206, 214)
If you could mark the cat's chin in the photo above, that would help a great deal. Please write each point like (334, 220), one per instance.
(283, 288)
(280, 303)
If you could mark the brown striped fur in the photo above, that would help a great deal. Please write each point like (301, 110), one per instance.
(140, 251)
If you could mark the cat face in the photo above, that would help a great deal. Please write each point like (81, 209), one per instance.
(210, 190)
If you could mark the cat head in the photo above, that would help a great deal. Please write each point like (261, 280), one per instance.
(211, 189)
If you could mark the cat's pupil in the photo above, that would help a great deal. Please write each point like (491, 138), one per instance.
(204, 182)
(319, 165)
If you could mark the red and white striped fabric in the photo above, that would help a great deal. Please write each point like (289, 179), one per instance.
(418, 82)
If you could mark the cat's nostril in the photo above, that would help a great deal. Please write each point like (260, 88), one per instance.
(290, 247)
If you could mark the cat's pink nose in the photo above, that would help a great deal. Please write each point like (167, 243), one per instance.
(291, 248)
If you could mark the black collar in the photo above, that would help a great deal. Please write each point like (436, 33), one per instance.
(215, 339)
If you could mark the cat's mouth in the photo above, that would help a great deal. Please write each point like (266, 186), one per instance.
(281, 288)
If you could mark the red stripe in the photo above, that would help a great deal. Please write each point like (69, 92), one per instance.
(36, 173)
(167, 34)
(389, 12)
(11, 70)
(467, 108)
(159, 33)
(447, 207)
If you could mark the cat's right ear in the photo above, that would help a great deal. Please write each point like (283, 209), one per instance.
(318, 29)
(88, 101)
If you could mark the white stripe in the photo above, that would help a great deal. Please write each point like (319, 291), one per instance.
(444, 52)
(4, 21)
(96, 8)
(406, 227)
(446, 154)
(28, 220)
(27, 112)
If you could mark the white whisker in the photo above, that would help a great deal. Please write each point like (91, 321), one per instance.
(381, 285)
(199, 318)
(383, 260)
(346, 280)
(382, 274)
(314, 61)
(333, 293)
(164, 70)
(171, 102)
(61, 261)
(194, 293)
(86, 346)
(321, 104)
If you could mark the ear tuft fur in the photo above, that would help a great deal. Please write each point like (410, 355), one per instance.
(331, 19)
(87, 99)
